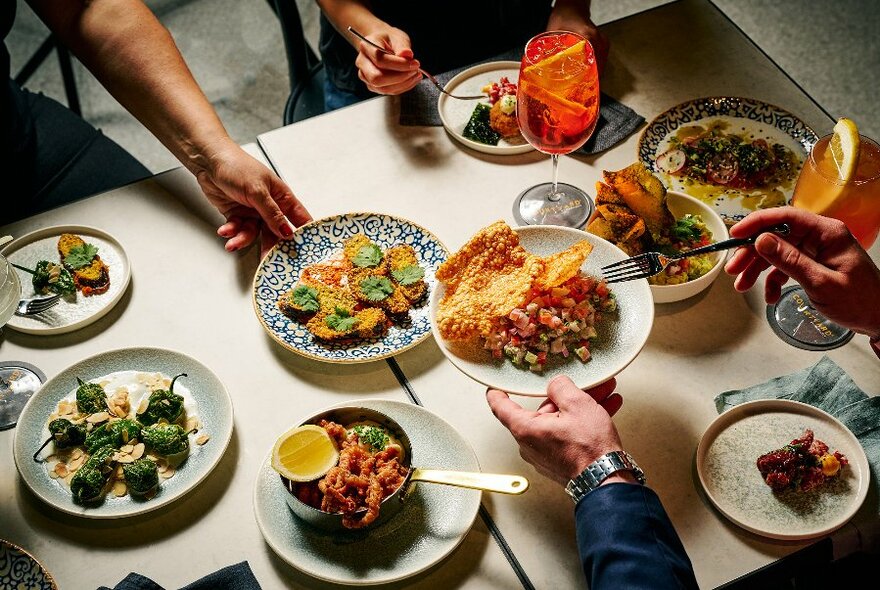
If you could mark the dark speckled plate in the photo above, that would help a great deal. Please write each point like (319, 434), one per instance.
(726, 465)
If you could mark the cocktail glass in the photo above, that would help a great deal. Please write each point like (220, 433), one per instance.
(557, 109)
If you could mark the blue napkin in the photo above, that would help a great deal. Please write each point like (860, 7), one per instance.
(233, 577)
(616, 121)
(826, 386)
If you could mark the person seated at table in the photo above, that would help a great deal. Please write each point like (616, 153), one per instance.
(624, 535)
(50, 156)
(436, 37)
(820, 254)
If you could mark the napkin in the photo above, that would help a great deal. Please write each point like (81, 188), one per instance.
(233, 577)
(616, 121)
(826, 386)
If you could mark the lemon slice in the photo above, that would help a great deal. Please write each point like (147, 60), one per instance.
(844, 148)
(304, 453)
(550, 62)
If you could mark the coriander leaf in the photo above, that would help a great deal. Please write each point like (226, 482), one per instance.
(408, 274)
(306, 298)
(369, 255)
(376, 288)
(80, 256)
(341, 321)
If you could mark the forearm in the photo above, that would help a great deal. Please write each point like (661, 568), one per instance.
(129, 51)
(351, 13)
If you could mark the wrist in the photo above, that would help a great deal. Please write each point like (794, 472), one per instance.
(204, 155)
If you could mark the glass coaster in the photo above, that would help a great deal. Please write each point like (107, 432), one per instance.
(18, 382)
(572, 207)
(795, 320)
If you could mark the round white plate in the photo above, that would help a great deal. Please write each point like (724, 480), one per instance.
(433, 522)
(621, 335)
(744, 115)
(73, 311)
(455, 113)
(726, 465)
(315, 242)
(214, 410)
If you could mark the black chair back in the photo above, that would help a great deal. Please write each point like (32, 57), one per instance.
(304, 67)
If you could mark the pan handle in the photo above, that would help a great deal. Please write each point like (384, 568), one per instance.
(491, 482)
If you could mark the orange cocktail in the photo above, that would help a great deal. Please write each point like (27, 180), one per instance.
(558, 94)
(856, 202)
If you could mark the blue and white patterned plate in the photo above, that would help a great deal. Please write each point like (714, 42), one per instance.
(743, 116)
(20, 569)
(315, 242)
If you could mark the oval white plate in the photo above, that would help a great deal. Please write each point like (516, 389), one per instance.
(455, 113)
(726, 465)
(744, 115)
(72, 312)
(214, 410)
(621, 336)
(680, 205)
(432, 523)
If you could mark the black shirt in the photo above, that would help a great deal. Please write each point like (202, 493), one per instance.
(445, 35)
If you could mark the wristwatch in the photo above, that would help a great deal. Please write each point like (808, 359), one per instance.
(599, 470)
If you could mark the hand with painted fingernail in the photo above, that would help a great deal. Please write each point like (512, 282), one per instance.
(383, 73)
(820, 254)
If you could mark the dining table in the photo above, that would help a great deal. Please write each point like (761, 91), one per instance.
(188, 294)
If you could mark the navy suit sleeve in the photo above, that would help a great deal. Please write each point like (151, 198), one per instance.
(626, 540)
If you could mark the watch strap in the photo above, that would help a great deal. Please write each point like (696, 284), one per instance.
(599, 470)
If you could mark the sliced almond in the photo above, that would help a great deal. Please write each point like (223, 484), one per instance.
(202, 439)
(76, 453)
(142, 407)
(126, 459)
(53, 474)
(61, 469)
(120, 489)
(69, 478)
(138, 451)
(118, 472)
(162, 465)
(127, 449)
(76, 463)
(98, 417)
(168, 473)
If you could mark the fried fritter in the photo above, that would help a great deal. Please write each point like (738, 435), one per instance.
(503, 123)
(93, 279)
(353, 245)
(400, 257)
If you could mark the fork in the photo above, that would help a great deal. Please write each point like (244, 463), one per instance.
(36, 305)
(433, 80)
(649, 264)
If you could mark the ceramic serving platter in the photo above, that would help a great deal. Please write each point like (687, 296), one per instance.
(456, 113)
(213, 409)
(742, 116)
(316, 242)
(726, 465)
(73, 311)
(432, 523)
(621, 334)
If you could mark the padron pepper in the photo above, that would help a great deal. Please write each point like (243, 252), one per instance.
(163, 404)
(166, 439)
(87, 484)
(65, 434)
(141, 476)
(116, 434)
(90, 398)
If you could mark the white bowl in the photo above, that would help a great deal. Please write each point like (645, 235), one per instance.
(681, 204)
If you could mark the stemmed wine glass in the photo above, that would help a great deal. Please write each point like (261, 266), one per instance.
(557, 109)
(853, 201)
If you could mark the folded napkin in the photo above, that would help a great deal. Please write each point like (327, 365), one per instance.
(826, 386)
(616, 121)
(233, 577)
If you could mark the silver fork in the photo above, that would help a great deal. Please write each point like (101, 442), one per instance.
(648, 264)
(433, 80)
(36, 305)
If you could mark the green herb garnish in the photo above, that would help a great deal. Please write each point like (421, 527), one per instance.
(376, 288)
(80, 256)
(408, 274)
(341, 320)
(306, 298)
(372, 436)
(688, 228)
(369, 255)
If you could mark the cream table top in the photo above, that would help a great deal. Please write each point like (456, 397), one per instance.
(360, 158)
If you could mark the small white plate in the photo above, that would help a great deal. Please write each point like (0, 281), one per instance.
(213, 408)
(621, 335)
(73, 311)
(455, 113)
(726, 465)
(432, 523)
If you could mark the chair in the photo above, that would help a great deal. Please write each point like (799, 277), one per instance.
(305, 69)
(37, 60)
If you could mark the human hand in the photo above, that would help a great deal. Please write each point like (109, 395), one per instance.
(383, 73)
(821, 254)
(251, 198)
(574, 15)
(567, 432)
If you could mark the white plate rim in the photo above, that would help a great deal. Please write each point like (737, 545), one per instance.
(734, 414)
(583, 235)
(81, 230)
(366, 402)
(450, 129)
(145, 507)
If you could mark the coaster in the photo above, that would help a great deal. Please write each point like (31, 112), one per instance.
(795, 320)
(18, 382)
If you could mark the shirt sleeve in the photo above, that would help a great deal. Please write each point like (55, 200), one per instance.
(626, 540)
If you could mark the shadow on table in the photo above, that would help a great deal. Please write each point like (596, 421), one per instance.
(143, 530)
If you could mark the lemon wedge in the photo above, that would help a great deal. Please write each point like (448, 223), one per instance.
(551, 62)
(304, 453)
(844, 148)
